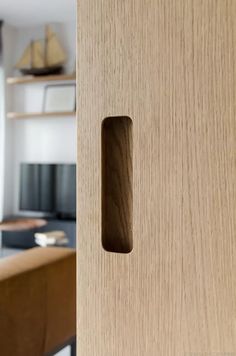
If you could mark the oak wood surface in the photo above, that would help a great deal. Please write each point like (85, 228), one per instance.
(170, 66)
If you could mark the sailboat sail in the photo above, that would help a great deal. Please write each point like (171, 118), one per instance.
(37, 54)
(55, 54)
(25, 61)
(33, 57)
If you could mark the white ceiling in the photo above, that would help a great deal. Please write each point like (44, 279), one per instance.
(35, 12)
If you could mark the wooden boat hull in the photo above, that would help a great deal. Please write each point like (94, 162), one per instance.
(42, 71)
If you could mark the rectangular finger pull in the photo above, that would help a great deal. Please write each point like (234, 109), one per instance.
(117, 184)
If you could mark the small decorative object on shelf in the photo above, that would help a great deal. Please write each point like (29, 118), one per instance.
(51, 238)
(43, 57)
(59, 98)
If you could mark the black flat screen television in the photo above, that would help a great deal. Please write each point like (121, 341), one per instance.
(48, 188)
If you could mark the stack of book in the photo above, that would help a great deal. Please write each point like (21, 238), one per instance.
(51, 238)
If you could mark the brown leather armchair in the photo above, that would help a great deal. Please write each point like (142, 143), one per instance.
(38, 302)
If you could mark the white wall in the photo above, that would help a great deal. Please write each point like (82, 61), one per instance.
(36, 140)
(2, 136)
(9, 42)
(31, 12)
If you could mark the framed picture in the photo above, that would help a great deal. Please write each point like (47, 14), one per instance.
(59, 98)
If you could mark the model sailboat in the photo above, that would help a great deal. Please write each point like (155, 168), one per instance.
(43, 57)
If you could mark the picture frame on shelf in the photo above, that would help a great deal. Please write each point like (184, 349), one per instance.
(59, 98)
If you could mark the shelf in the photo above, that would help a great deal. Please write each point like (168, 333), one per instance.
(49, 78)
(18, 115)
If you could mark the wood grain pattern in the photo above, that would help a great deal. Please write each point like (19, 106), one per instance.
(117, 184)
(170, 66)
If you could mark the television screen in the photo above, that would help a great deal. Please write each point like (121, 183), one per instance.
(49, 188)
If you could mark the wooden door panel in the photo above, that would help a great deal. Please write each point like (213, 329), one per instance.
(170, 67)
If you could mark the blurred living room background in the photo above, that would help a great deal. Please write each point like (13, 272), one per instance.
(37, 129)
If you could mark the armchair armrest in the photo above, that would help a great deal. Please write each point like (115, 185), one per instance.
(37, 301)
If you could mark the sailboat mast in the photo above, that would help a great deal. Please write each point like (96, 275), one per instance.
(46, 46)
(31, 54)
